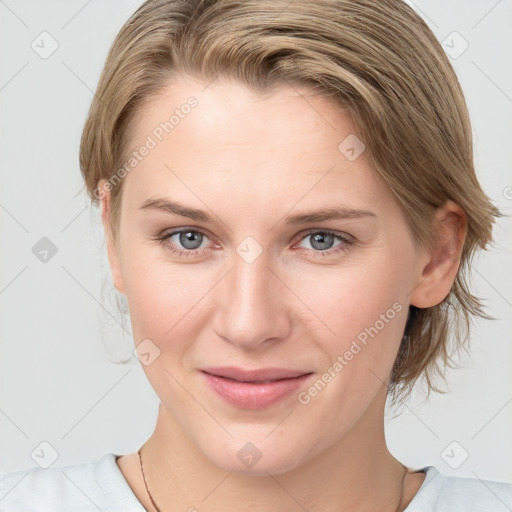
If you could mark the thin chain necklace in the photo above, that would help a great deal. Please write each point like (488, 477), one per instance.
(158, 510)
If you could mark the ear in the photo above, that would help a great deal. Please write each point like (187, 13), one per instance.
(112, 249)
(440, 265)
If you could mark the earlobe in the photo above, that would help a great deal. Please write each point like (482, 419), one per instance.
(112, 250)
(440, 268)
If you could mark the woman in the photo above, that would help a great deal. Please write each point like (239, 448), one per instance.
(290, 206)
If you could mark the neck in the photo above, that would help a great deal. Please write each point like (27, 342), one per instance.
(356, 473)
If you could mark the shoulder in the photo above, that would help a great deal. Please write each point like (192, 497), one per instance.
(441, 493)
(82, 487)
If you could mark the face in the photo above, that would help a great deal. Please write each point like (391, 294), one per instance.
(260, 276)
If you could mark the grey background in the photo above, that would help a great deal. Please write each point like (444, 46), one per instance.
(59, 323)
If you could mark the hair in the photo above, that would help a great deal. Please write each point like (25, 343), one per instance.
(379, 60)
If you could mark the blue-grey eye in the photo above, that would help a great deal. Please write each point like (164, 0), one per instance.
(322, 241)
(190, 239)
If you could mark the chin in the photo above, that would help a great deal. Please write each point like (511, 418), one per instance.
(257, 456)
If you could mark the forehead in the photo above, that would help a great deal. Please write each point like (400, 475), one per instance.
(223, 107)
(227, 140)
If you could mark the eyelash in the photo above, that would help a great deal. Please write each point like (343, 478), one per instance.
(345, 239)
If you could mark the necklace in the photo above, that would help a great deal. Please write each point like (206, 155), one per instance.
(158, 510)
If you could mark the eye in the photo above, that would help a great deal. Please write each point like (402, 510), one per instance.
(188, 242)
(322, 241)
(184, 242)
(189, 239)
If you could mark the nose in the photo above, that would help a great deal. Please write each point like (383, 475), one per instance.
(253, 305)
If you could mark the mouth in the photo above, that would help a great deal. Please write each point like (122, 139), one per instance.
(254, 389)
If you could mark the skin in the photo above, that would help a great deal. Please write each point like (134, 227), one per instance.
(249, 161)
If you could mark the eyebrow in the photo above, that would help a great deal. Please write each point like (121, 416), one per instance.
(324, 214)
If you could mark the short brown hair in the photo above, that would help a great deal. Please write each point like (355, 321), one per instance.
(378, 59)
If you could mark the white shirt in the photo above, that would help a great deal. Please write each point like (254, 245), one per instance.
(100, 486)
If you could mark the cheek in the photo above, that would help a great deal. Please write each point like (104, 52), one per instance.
(161, 295)
(365, 312)
(164, 303)
(352, 297)
(361, 299)
(360, 313)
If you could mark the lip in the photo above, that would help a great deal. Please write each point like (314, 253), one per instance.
(254, 389)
